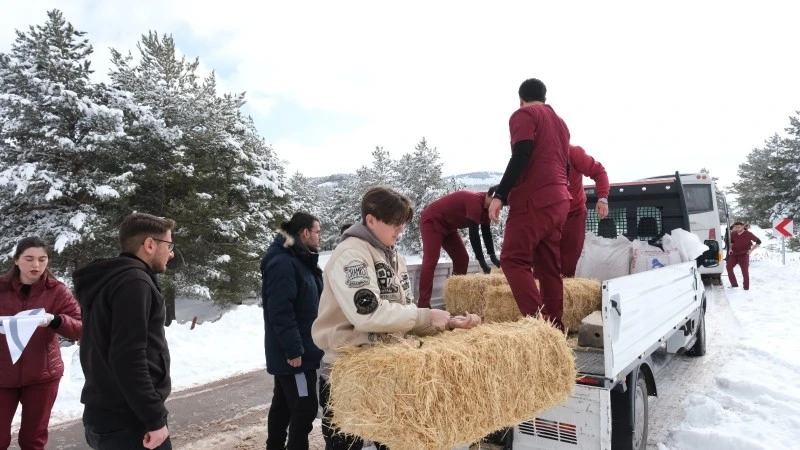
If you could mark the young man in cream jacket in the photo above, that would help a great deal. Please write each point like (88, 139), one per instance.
(367, 295)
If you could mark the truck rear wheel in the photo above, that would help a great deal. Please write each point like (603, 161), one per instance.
(622, 436)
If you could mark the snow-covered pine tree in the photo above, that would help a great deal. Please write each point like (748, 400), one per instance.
(58, 173)
(345, 200)
(787, 178)
(220, 181)
(420, 178)
(304, 195)
(308, 197)
(765, 180)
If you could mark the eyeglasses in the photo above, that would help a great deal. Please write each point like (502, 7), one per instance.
(171, 245)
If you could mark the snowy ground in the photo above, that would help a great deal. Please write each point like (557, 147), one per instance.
(752, 402)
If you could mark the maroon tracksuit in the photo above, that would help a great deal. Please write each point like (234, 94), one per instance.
(574, 232)
(538, 207)
(33, 380)
(740, 245)
(439, 225)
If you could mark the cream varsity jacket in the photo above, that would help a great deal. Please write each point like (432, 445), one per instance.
(364, 299)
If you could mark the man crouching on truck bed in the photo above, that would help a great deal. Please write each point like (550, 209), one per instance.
(367, 294)
(439, 225)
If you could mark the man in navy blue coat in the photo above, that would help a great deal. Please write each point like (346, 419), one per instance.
(291, 287)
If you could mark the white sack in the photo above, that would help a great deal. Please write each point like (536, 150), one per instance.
(647, 257)
(688, 244)
(604, 258)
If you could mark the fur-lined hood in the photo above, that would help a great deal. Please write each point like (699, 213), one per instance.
(288, 239)
(288, 245)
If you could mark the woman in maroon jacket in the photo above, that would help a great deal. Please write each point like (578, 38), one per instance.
(739, 253)
(33, 380)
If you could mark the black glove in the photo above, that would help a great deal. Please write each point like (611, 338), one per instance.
(495, 261)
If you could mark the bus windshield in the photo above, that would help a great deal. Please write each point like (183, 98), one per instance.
(698, 198)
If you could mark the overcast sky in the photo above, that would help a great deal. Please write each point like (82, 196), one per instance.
(647, 88)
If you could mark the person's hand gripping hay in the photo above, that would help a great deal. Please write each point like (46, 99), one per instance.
(466, 321)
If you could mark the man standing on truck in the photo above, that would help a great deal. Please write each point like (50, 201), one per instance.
(574, 232)
(534, 186)
(439, 225)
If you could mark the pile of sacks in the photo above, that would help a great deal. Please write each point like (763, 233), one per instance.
(604, 258)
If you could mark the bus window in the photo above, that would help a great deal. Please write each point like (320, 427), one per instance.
(698, 198)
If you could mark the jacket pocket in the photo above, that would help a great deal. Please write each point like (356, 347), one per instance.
(165, 362)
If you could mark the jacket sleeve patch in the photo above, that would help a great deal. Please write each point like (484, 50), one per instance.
(366, 301)
(355, 274)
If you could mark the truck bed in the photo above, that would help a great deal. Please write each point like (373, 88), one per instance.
(640, 312)
(588, 360)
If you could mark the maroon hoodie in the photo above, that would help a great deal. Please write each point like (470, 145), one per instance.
(741, 243)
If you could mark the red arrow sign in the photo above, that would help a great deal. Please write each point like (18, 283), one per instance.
(784, 227)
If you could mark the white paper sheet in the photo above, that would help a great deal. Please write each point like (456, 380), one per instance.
(19, 328)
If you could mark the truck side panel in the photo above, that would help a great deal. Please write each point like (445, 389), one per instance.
(643, 309)
(584, 423)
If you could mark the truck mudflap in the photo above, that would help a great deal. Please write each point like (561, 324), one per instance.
(583, 422)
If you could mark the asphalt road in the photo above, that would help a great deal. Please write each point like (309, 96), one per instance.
(240, 402)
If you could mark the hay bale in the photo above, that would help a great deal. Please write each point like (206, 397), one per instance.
(466, 293)
(454, 388)
(582, 296)
(500, 305)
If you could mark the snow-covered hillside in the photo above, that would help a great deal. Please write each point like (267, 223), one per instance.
(475, 181)
(478, 181)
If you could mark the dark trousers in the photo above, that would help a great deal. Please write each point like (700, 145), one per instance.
(124, 439)
(433, 241)
(37, 402)
(533, 239)
(572, 237)
(293, 410)
(744, 263)
(334, 438)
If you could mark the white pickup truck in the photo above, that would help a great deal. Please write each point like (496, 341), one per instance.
(646, 317)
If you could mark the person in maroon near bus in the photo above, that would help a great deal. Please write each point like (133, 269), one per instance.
(739, 251)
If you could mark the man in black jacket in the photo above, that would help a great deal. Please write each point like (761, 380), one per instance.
(292, 285)
(123, 351)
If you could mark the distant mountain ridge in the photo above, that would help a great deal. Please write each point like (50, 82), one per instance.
(478, 181)
(475, 181)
